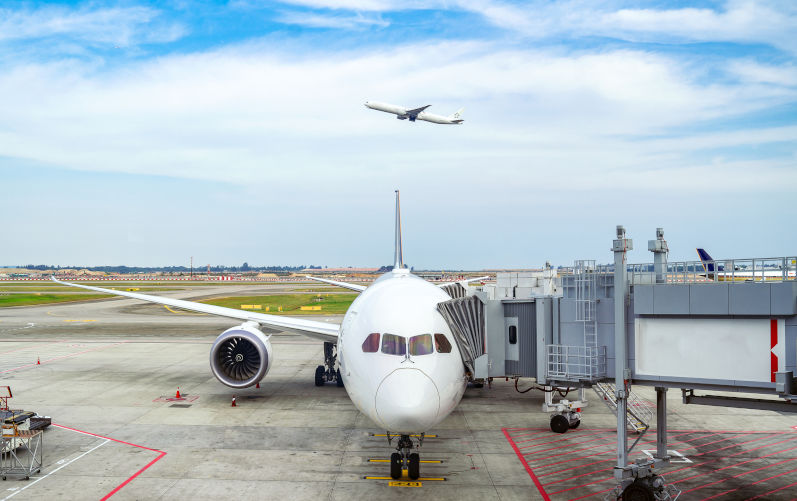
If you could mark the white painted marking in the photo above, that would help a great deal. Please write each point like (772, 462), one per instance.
(675, 456)
(55, 470)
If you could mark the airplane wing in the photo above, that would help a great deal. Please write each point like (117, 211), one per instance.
(319, 330)
(414, 113)
(345, 285)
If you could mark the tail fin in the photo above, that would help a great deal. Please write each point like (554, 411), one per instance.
(707, 260)
(398, 261)
(458, 114)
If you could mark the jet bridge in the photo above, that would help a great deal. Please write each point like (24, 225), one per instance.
(699, 326)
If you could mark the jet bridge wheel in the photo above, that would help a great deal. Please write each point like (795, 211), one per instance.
(320, 375)
(640, 490)
(559, 423)
(575, 424)
(395, 465)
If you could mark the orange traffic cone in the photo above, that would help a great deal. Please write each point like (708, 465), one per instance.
(38, 362)
(178, 393)
(233, 401)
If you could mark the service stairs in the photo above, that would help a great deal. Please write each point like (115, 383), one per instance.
(640, 411)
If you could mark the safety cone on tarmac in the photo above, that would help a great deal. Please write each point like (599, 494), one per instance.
(257, 385)
(178, 393)
(233, 401)
(38, 361)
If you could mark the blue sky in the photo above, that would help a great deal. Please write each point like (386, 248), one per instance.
(145, 133)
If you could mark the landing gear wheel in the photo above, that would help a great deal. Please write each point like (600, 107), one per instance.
(640, 490)
(414, 466)
(560, 424)
(339, 380)
(320, 372)
(395, 465)
(575, 424)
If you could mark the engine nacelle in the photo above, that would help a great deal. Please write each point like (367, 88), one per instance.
(241, 356)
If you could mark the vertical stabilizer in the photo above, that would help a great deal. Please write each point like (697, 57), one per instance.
(398, 261)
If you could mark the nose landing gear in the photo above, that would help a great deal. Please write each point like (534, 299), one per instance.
(405, 457)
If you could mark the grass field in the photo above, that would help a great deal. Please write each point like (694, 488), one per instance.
(34, 299)
(331, 304)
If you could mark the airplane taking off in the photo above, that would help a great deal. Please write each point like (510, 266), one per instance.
(397, 357)
(416, 113)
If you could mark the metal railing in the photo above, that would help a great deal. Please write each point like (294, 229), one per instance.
(773, 269)
(575, 363)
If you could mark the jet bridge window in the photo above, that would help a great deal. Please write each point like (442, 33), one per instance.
(513, 334)
(421, 345)
(442, 344)
(371, 343)
(394, 345)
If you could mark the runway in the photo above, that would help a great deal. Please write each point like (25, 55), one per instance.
(109, 371)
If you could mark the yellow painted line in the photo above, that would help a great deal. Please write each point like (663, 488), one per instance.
(420, 479)
(183, 312)
(437, 461)
(80, 320)
(398, 435)
(400, 483)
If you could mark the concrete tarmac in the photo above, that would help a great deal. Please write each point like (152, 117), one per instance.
(110, 369)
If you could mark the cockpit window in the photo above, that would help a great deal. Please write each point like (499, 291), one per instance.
(442, 344)
(421, 345)
(394, 345)
(371, 343)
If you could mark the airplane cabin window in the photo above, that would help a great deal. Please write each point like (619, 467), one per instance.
(371, 343)
(442, 344)
(421, 345)
(394, 345)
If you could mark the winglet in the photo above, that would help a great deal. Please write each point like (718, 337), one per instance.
(398, 261)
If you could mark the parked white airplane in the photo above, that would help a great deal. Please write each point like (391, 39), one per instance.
(416, 113)
(397, 356)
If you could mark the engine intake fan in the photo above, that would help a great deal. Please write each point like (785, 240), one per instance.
(241, 356)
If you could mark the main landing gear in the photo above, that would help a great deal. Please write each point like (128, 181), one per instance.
(327, 372)
(405, 457)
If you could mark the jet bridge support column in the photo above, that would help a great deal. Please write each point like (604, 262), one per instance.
(661, 422)
(620, 246)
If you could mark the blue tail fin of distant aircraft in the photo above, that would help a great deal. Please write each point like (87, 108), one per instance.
(707, 260)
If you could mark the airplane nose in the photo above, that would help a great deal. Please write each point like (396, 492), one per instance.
(407, 401)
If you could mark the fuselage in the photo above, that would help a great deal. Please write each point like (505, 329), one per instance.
(398, 359)
(402, 113)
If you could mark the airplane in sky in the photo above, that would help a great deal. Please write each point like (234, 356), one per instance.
(416, 113)
(727, 270)
(396, 355)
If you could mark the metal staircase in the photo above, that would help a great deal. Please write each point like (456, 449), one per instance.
(640, 411)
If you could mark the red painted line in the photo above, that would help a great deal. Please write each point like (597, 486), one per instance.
(773, 340)
(583, 485)
(740, 474)
(534, 433)
(534, 478)
(579, 466)
(553, 441)
(555, 448)
(730, 456)
(772, 491)
(139, 472)
(62, 357)
(577, 476)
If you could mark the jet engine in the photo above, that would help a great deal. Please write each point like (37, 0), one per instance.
(241, 356)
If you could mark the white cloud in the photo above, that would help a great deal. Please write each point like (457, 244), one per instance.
(253, 114)
(313, 20)
(122, 26)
